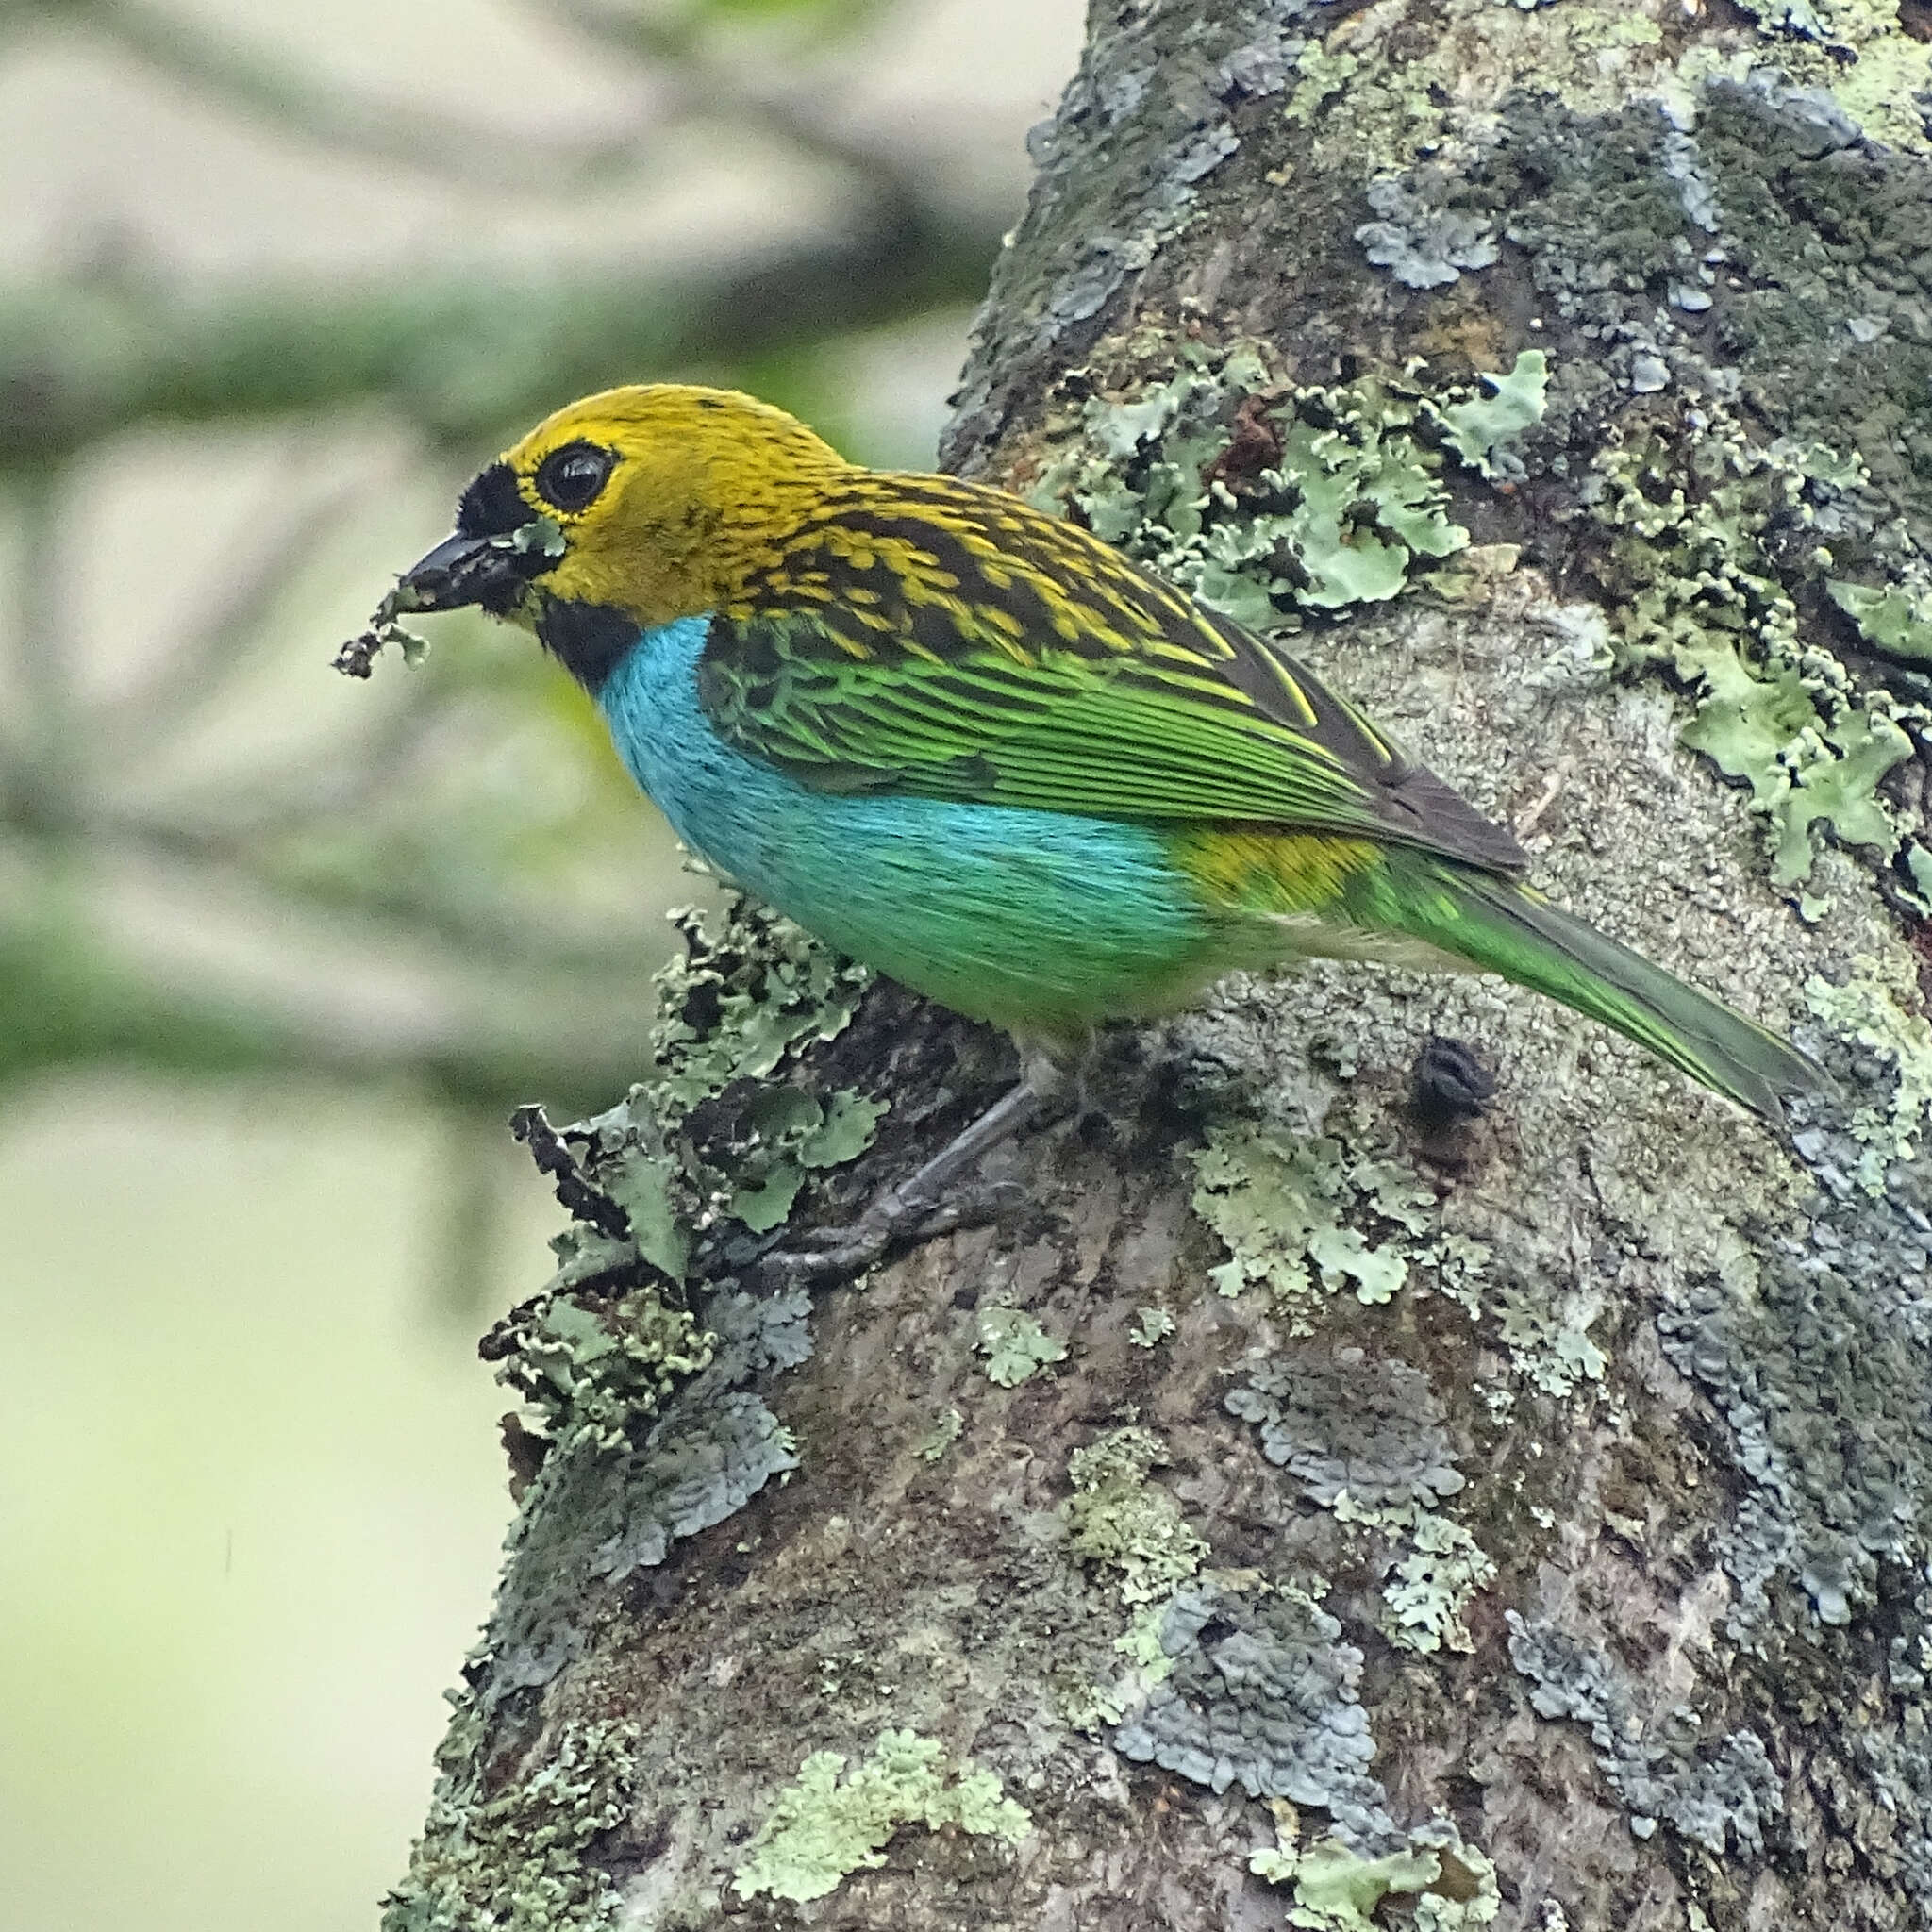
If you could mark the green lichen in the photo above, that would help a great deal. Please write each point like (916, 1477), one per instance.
(1896, 621)
(1453, 1886)
(1742, 255)
(749, 992)
(1123, 1523)
(1697, 591)
(1335, 1889)
(748, 989)
(596, 1373)
(1141, 1644)
(509, 1856)
(1282, 1206)
(1151, 1326)
(1090, 1704)
(1481, 430)
(1880, 1009)
(1427, 1598)
(644, 1183)
(1368, 505)
(940, 1436)
(1290, 1210)
(1549, 1344)
(643, 1420)
(1263, 500)
(793, 1135)
(1323, 75)
(823, 1829)
(1015, 1347)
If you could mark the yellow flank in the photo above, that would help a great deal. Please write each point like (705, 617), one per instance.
(1267, 870)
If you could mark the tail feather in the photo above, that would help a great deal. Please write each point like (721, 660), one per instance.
(1509, 930)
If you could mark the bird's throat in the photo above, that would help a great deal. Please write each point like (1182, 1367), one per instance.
(589, 641)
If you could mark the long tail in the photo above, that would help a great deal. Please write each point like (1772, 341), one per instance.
(1508, 929)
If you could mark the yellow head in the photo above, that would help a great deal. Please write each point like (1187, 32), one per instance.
(627, 509)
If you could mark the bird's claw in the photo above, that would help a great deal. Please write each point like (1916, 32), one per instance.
(898, 1217)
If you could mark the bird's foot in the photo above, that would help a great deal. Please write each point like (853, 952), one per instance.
(898, 1218)
(925, 1204)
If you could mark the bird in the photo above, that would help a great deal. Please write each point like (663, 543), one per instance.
(976, 749)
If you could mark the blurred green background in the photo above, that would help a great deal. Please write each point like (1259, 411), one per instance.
(278, 952)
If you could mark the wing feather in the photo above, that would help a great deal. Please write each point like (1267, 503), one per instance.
(972, 648)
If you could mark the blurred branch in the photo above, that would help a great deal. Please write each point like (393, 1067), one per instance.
(464, 357)
(703, 88)
(470, 1231)
(72, 996)
(666, 37)
(214, 65)
(662, 33)
(39, 784)
(483, 928)
(200, 664)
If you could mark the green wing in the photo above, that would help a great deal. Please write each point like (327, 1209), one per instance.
(930, 637)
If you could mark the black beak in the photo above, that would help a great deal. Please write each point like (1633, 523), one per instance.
(501, 547)
(460, 570)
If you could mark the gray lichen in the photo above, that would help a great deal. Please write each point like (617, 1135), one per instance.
(1263, 1693)
(1421, 243)
(600, 1509)
(1813, 1351)
(1718, 1796)
(1343, 1422)
(1365, 1439)
(1875, 1008)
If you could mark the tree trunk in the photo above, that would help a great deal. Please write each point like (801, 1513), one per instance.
(1309, 1504)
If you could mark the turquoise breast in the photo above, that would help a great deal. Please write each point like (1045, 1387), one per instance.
(1043, 921)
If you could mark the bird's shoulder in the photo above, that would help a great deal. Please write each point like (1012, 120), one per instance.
(909, 565)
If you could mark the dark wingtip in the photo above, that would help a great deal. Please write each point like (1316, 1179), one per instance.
(1802, 1079)
(1444, 821)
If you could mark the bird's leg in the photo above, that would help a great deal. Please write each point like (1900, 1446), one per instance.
(916, 1205)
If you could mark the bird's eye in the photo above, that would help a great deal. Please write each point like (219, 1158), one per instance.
(570, 477)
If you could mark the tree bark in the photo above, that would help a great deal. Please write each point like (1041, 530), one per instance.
(1313, 1505)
